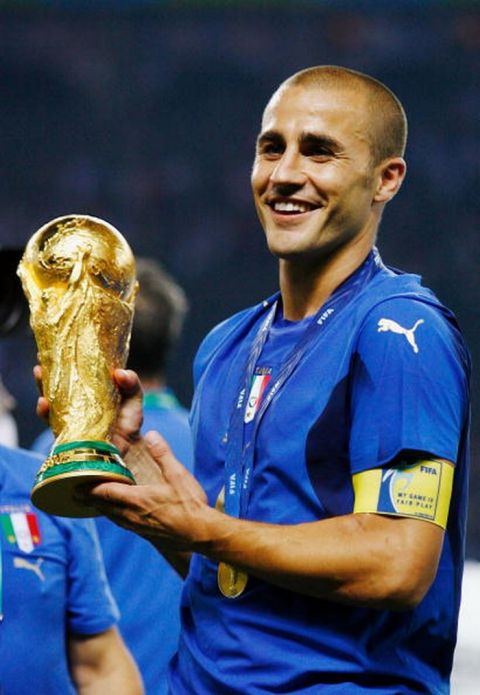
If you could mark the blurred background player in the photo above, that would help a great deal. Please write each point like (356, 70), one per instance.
(8, 426)
(146, 588)
(57, 624)
(13, 312)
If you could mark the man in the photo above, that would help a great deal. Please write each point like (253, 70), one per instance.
(57, 624)
(8, 426)
(57, 632)
(142, 582)
(335, 415)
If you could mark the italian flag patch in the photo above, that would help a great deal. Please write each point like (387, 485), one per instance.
(21, 528)
(257, 390)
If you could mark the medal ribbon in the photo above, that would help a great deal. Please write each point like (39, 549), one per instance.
(239, 459)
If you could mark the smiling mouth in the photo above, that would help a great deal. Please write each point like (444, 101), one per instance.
(291, 207)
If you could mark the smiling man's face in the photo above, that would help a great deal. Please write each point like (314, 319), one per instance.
(313, 178)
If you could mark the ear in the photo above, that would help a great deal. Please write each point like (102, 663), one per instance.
(390, 177)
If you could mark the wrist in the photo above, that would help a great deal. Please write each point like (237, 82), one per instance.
(212, 528)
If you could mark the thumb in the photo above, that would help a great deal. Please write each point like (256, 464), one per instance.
(172, 469)
(159, 449)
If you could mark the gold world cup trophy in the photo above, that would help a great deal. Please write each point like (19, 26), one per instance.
(78, 274)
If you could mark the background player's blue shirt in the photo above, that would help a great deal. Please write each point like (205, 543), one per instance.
(144, 585)
(360, 398)
(58, 587)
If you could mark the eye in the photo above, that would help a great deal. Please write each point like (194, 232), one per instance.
(317, 151)
(270, 148)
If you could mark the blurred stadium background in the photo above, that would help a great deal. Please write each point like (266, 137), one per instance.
(145, 113)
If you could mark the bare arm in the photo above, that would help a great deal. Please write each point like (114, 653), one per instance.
(362, 559)
(102, 664)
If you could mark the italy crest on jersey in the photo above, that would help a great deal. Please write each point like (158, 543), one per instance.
(257, 390)
(20, 527)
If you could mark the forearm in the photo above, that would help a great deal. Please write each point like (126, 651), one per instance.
(118, 681)
(365, 559)
(102, 664)
(357, 559)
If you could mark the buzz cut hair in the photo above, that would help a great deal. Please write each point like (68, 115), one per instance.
(386, 116)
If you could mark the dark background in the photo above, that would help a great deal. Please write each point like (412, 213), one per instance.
(145, 113)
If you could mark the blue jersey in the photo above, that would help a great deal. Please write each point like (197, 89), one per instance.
(383, 373)
(53, 584)
(146, 588)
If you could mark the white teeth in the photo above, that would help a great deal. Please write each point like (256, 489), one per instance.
(281, 206)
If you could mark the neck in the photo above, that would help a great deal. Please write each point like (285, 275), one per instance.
(306, 285)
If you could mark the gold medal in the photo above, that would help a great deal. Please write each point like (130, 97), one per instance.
(231, 581)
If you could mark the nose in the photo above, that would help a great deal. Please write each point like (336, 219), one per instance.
(288, 170)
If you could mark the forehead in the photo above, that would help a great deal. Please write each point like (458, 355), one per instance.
(338, 112)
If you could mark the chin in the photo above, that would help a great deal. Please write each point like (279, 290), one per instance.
(287, 253)
(285, 243)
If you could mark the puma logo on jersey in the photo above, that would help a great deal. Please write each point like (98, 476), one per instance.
(22, 563)
(390, 325)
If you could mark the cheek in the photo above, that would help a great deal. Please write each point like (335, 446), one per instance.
(259, 177)
(327, 177)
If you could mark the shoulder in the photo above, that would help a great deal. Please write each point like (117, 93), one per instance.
(419, 317)
(221, 333)
(222, 329)
(413, 346)
(19, 466)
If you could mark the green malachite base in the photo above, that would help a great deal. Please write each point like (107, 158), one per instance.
(73, 464)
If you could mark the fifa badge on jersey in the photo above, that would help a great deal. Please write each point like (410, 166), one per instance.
(257, 390)
(20, 527)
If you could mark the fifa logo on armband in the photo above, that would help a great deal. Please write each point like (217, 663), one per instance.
(428, 469)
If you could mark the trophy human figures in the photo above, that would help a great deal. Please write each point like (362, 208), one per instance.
(78, 274)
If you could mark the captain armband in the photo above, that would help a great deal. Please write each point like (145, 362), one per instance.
(421, 490)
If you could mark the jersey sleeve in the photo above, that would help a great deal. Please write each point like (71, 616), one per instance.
(212, 342)
(410, 385)
(90, 605)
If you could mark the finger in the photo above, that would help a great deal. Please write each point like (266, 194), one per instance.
(43, 408)
(122, 512)
(37, 375)
(130, 415)
(173, 471)
(128, 383)
(159, 449)
(107, 495)
(145, 468)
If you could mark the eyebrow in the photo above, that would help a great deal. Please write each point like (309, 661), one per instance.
(270, 136)
(320, 140)
(306, 138)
